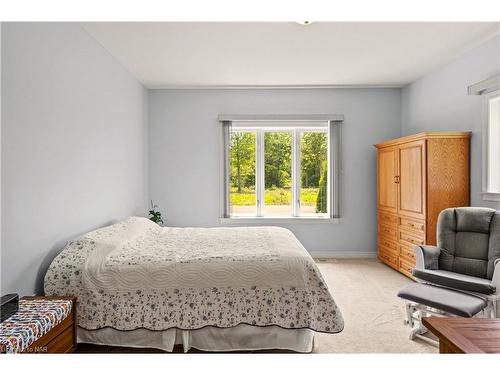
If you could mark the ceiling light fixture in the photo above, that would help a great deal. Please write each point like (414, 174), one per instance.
(305, 23)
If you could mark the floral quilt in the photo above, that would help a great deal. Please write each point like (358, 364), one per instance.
(136, 274)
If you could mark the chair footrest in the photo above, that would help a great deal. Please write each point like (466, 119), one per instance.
(446, 300)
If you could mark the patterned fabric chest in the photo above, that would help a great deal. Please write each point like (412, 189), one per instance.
(42, 325)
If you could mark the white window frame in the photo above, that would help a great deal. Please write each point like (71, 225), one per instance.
(296, 125)
(488, 89)
(487, 193)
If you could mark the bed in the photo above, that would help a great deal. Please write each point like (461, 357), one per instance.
(140, 284)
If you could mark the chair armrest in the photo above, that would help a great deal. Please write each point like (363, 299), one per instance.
(495, 280)
(427, 257)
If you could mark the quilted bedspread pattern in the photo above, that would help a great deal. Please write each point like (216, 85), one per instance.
(136, 274)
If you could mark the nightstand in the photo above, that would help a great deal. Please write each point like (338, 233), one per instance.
(41, 325)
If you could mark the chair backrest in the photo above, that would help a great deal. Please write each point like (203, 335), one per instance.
(469, 238)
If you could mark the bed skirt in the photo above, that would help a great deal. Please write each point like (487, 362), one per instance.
(212, 339)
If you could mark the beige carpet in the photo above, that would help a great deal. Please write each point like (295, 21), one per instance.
(365, 291)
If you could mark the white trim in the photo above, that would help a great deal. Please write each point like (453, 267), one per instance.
(272, 87)
(485, 87)
(280, 125)
(489, 196)
(296, 177)
(278, 220)
(260, 189)
(321, 254)
(485, 194)
(277, 117)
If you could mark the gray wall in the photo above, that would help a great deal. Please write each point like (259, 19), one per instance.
(439, 101)
(1, 232)
(74, 145)
(184, 154)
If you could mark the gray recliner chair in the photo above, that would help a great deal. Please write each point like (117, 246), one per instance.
(461, 275)
(467, 255)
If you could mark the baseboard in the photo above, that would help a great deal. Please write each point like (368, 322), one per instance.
(343, 254)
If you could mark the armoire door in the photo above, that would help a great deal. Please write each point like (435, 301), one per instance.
(387, 188)
(411, 179)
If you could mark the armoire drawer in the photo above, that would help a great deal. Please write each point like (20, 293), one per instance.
(412, 225)
(410, 239)
(407, 252)
(388, 232)
(405, 267)
(387, 219)
(388, 257)
(390, 245)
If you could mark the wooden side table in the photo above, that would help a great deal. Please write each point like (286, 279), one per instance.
(465, 335)
(42, 325)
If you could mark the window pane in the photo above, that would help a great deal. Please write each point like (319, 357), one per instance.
(242, 174)
(313, 173)
(278, 173)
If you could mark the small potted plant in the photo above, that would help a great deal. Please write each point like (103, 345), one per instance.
(155, 214)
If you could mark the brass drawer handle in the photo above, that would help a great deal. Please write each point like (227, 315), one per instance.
(413, 241)
(411, 255)
(416, 226)
(405, 266)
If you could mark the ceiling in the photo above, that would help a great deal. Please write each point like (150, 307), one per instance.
(233, 54)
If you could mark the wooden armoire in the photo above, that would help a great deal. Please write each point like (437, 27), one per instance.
(418, 176)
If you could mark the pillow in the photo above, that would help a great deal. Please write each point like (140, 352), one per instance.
(123, 231)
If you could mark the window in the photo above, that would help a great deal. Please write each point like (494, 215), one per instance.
(489, 89)
(491, 167)
(280, 169)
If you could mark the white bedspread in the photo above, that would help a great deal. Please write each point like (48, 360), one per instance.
(136, 274)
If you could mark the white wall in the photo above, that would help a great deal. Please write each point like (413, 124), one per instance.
(439, 101)
(184, 154)
(74, 145)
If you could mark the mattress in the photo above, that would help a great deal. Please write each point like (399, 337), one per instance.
(138, 275)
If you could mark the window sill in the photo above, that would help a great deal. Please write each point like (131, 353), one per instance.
(279, 220)
(490, 196)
